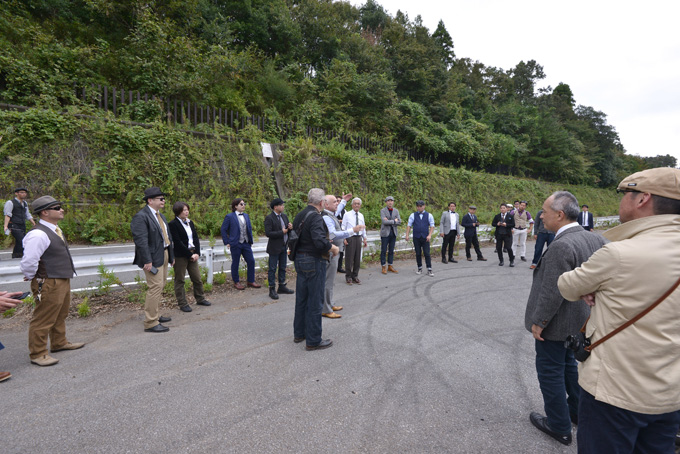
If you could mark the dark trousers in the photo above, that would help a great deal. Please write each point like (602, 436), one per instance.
(182, 265)
(541, 240)
(606, 429)
(277, 261)
(504, 242)
(18, 234)
(448, 242)
(353, 256)
(472, 241)
(558, 379)
(309, 294)
(340, 260)
(387, 246)
(421, 244)
(245, 250)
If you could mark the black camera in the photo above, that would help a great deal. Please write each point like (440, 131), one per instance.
(577, 343)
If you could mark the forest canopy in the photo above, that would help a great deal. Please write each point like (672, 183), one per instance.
(320, 63)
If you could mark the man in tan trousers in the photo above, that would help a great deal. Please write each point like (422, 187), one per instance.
(48, 265)
(153, 253)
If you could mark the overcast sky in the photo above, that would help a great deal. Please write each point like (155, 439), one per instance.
(621, 58)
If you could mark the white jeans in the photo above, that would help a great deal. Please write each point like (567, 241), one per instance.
(519, 241)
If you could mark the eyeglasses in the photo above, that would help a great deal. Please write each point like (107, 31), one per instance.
(55, 208)
(242, 203)
(162, 199)
(623, 191)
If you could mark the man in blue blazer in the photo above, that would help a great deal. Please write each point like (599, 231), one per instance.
(237, 235)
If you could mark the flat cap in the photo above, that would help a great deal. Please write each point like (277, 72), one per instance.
(472, 207)
(662, 181)
(20, 189)
(389, 197)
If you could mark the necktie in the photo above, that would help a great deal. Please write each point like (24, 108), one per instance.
(283, 226)
(166, 241)
(357, 223)
(61, 234)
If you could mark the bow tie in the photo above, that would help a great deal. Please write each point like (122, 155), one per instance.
(240, 214)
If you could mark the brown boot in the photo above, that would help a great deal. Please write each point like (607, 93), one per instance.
(384, 269)
(391, 269)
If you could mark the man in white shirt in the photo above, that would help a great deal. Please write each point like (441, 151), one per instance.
(448, 230)
(48, 265)
(353, 220)
(422, 223)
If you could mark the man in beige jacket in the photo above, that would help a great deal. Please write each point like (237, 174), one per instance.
(630, 397)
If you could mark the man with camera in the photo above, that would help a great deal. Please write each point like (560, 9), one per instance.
(630, 383)
(550, 318)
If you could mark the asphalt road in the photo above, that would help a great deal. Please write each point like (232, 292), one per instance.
(418, 365)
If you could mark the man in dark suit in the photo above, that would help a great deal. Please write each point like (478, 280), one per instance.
(237, 235)
(187, 248)
(504, 224)
(550, 318)
(470, 222)
(585, 219)
(276, 228)
(153, 254)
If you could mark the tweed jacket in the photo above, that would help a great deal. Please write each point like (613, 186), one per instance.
(546, 307)
(393, 220)
(273, 231)
(149, 239)
(445, 223)
(638, 369)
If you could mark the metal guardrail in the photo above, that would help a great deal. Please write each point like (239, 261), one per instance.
(215, 259)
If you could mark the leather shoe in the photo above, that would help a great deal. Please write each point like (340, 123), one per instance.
(356, 281)
(69, 346)
(204, 303)
(469, 259)
(348, 281)
(444, 261)
(512, 264)
(239, 286)
(532, 267)
(325, 343)
(453, 260)
(340, 270)
(157, 329)
(336, 308)
(332, 315)
(391, 269)
(164, 319)
(482, 259)
(297, 340)
(272, 293)
(5, 376)
(524, 259)
(541, 423)
(45, 360)
(500, 263)
(185, 308)
(254, 285)
(284, 290)
(384, 269)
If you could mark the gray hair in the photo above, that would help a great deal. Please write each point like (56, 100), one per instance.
(315, 196)
(565, 202)
(356, 199)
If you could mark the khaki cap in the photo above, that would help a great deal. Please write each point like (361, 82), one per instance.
(662, 181)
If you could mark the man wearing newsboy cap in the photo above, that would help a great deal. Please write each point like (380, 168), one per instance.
(630, 383)
(153, 254)
(48, 265)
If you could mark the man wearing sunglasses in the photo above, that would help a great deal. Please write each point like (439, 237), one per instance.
(48, 265)
(237, 235)
(154, 252)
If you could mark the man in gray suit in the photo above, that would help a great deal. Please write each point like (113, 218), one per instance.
(551, 318)
(153, 254)
(389, 221)
(448, 230)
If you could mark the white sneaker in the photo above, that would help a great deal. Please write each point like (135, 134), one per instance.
(420, 271)
(430, 273)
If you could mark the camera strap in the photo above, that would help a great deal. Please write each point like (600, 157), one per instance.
(632, 320)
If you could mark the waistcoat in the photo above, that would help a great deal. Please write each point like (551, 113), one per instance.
(55, 261)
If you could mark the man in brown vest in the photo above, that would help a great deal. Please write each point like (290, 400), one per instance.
(47, 263)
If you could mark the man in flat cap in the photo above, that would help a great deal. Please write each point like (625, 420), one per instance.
(630, 383)
(47, 263)
(390, 221)
(16, 214)
(276, 228)
(153, 253)
(470, 223)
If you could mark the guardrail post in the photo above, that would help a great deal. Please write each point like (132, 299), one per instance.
(209, 257)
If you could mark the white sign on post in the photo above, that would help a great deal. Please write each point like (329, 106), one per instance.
(267, 150)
